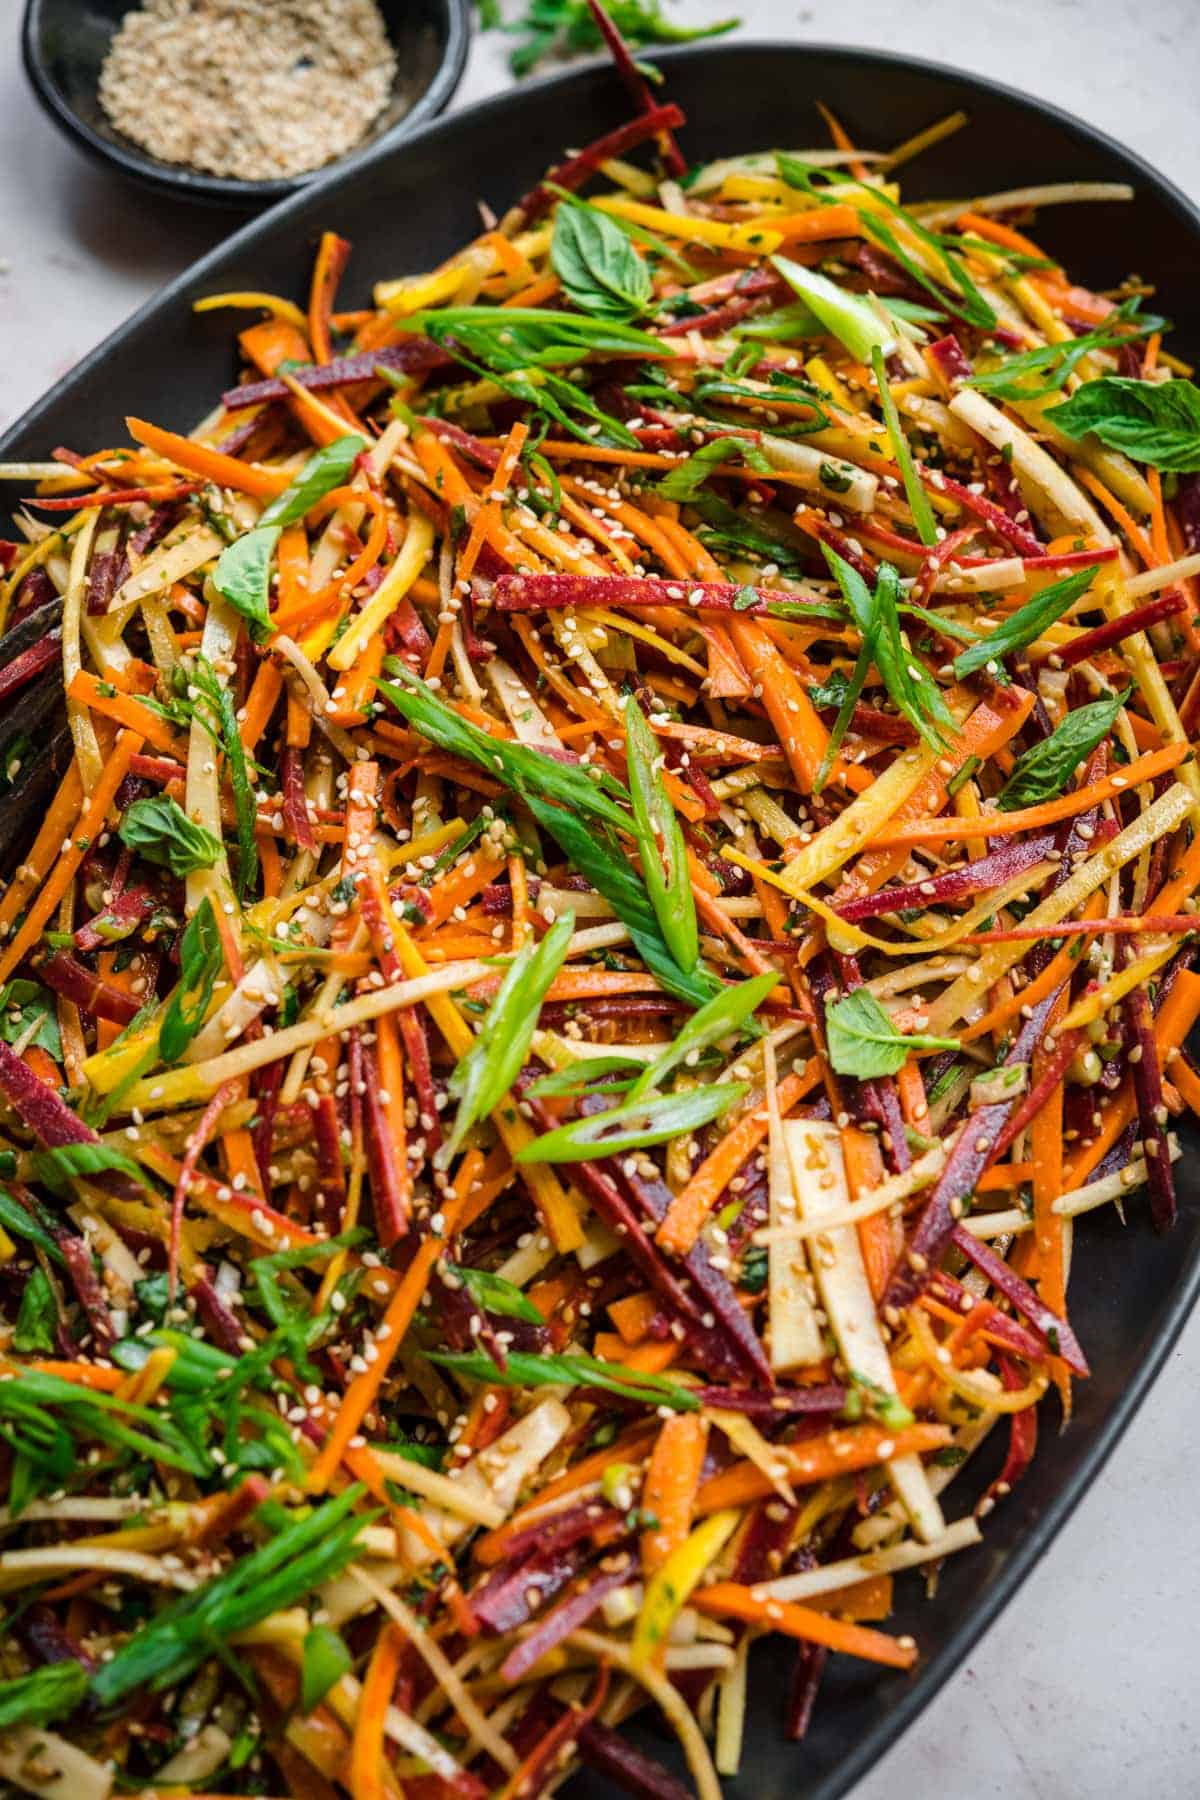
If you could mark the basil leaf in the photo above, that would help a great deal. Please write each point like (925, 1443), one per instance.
(525, 1370)
(638, 1124)
(49, 1693)
(1153, 422)
(330, 468)
(1045, 769)
(599, 268)
(862, 1040)
(21, 1003)
(494, 1294)
(201, 960)
(243, 575)
(918, 499)
(832, 691)
(243, 572)
(57, 1168)
(660, 841)
(726, 1012)
(1027, 624)
(1017, 378)
(325, 1660)
(486, 1072)
(36, 1318)
(18, 1223)
(685, 480)
(159, 830)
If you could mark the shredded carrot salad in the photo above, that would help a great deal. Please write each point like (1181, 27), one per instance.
(625, 870)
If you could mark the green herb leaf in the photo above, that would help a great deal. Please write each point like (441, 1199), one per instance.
(158, 829)
(1044, 769)
(525, 1370)
(1153, 422)
(724, 1014)
(660, 841)
(19, 1223)
(1027, 624)
(57, 1168)
(330, 468)
(599, 268)
(633, 1126)
(243, 575)
(486, 1072)
(526, 771)
(1032, 374)
(685, 480)
(862, 1040)
(36, 1318)
(201, 960)
(23, 1003)
(846, 316)
(494, 1294)
(220, 703)
(918, 499)
(48, 1694)
(285, 1570)
(326, 1660)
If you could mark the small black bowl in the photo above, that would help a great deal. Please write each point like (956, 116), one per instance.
(64, 43)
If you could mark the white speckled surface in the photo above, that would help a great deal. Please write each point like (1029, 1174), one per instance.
(1085, 1689)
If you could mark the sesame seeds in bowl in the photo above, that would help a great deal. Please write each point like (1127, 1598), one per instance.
(239, 102)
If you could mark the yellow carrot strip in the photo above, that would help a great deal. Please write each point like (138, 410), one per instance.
(273, 303)
(691, 230)
(91, 824)
(414, 554)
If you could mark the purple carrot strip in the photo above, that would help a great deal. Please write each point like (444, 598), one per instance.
(220, 1322)
(1080, 649)
(87, 990)
(1015, 1336)
(1000, 522)
(509, 1596)
(295, 800)
(722, 1306)
(49, 1642)
(31, 662)
(39, 1107)
(118, 920)
(967, 1160)
(956, 884)
(806, 1679)
(627, 1768)
(636, 85)
(566, 1617)
(533, 593)
(575, 171)
(389, 1197)
(951, 359)
(557, 1530)
(415, 353)
(1059, 1336)
(829, 1398)
(1022, 1439)
(91, 1296)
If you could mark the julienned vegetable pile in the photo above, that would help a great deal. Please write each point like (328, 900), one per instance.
(627, 872)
